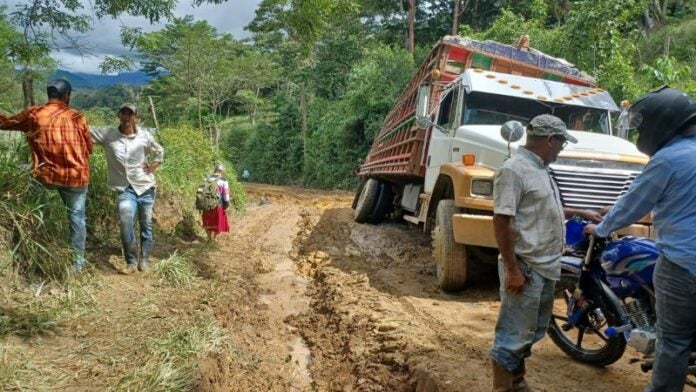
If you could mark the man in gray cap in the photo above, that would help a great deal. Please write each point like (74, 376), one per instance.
(132, 156)
(529, 229)
(60, 148)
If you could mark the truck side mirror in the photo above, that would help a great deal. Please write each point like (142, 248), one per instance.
(512, 131)
(423, 118)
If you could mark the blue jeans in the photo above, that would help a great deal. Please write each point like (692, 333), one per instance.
(129, 203)
(675, 290)
(523, 318)
(74, 199)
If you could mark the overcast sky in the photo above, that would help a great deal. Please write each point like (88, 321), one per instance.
(104, 39)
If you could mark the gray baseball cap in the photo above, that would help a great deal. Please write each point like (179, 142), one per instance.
(128, 106)
(548, 125)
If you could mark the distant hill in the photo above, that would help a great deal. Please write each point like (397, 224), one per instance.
(81, 80)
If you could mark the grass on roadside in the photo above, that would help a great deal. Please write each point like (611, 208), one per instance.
(175, 271)
(172, 360)
(44, 309)
(13, 372)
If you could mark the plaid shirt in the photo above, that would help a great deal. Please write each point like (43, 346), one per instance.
(60, 142)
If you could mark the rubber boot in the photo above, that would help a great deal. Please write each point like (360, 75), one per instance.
(143, 265)
(130, 269)
(502, 378)
(519, 384)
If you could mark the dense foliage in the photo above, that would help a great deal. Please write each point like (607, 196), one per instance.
(341, 77)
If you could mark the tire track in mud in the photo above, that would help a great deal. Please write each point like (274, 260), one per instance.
(257, 289)
(351, 351)
(374, 291)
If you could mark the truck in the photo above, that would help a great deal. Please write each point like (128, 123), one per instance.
(433, 161)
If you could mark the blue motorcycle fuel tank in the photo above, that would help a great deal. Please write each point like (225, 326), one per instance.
(630, 257)
(629, 262)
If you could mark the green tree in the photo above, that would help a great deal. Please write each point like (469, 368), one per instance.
(45, 23)
(668, 71)
(8, 85)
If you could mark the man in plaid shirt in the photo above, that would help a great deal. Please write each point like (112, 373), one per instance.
(60, 145)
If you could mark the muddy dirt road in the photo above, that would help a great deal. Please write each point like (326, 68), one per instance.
(340, 306)
(297, 297)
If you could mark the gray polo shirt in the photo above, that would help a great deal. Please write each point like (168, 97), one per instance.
(126, 157)
(524, 190)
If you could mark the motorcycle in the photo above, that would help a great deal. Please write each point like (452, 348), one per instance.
(605, 299)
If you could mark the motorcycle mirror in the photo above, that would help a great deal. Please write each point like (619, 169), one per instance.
(512, 131)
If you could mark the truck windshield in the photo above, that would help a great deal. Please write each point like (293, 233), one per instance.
(491, 109)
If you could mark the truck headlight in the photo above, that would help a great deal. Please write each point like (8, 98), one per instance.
(482, 188)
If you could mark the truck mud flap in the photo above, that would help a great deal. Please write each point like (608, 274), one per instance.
(474, 230)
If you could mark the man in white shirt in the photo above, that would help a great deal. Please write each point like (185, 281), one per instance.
(132, 157)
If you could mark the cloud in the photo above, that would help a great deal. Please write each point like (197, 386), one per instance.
(104, 39)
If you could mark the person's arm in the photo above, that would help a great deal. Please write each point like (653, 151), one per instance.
(507, 192)
(83, 128)
(644, 193)
(589, 215)
(19, 122)
(505, 238)
(99, 133)
(225, 194)
(156, 152)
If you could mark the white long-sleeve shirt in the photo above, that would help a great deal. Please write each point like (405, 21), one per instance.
(126, 157)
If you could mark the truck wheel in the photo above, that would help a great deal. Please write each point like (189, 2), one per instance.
(366, 201)
(450, 257)
(383, 205)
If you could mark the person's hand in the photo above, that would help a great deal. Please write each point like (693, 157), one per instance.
(591, 215)
(514, 280)
(604, 210)
(150, 168)
(590, 230)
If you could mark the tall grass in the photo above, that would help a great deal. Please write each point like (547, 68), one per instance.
(34, 219)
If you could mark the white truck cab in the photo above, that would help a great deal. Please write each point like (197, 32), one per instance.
(465, 147)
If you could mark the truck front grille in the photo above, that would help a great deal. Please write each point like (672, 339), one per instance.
(588, 188)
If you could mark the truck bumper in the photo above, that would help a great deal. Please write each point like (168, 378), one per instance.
(477, 230)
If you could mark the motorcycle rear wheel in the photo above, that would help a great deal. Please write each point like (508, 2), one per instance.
(586, 341)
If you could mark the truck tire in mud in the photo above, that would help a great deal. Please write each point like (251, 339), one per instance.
(383, 204)
(450, 257)
(366, 201)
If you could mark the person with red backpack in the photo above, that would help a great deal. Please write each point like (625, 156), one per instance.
(213, 199)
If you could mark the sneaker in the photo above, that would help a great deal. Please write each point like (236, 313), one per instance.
(143, 266)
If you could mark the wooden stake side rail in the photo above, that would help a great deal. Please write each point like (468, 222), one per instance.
(398, 155)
